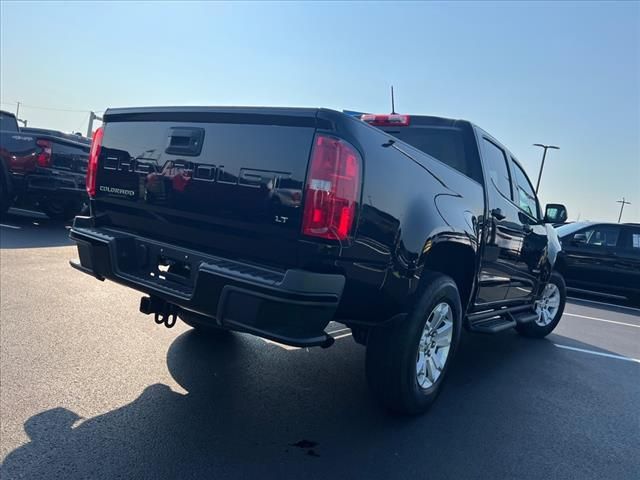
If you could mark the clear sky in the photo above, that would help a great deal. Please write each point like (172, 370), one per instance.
(548, 72)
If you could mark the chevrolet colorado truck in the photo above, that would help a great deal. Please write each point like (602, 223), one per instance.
(43, 169)
(276, 221)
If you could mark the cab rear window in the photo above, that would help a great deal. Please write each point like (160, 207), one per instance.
(445, 144)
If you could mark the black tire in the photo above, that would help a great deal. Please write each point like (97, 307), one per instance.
(634, 299)
(202, 324)
(5, 196)
(5, 203)
(84, 210)
(392, 350)
(360, 335)
(59, 209)
(536, 330)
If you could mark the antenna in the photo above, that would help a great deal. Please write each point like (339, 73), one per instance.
(393, 104)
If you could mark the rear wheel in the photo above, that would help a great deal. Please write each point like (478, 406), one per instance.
(360, 335)
(549, 308)
(57, 209)
(5, 196)
(5, 204)
(634, 299)
(408, 359)
(202, 324)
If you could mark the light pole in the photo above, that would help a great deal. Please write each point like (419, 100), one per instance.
(544, 155)
(92, 117)
(622, 203)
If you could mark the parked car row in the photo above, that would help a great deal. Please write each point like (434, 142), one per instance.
(42, 169)
(601, 257)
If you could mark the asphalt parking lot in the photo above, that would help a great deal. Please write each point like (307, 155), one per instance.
(90, 388)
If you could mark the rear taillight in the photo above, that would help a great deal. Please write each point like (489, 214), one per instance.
(333, 189)
(92, 168)
(44, 157)
(389, 120)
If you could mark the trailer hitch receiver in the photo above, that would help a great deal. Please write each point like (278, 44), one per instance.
(164, 313)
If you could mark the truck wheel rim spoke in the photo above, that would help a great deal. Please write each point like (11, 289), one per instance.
(434, 345)
(547, 306)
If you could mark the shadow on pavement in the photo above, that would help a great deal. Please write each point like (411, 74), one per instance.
(512, 408)
(24, 229)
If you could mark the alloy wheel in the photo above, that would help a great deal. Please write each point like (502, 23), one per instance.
(548, 305)
(434, 345)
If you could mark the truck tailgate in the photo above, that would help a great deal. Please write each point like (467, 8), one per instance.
(222, 180)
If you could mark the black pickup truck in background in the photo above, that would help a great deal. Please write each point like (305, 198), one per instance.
(275, 221)
(43, 169)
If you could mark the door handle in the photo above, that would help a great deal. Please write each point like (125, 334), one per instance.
(497, 214)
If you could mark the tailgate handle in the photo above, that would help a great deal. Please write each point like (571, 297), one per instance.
(185, 141)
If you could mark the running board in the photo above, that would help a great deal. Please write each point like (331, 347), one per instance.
(492, 325)
(525, 317)
(499, 320)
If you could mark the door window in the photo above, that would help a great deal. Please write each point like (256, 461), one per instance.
(525, 196)
(602, 236)
(631, 240)
(496, 164)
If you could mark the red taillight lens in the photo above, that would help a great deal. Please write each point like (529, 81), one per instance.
(44, 157)
(390, 120)
(333, 189)
(92, 168)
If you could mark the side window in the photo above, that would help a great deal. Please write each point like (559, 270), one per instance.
(496, 164)
(631, 240)
(601, 236)
(525, 196)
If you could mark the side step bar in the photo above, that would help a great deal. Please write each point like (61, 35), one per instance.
(526, 317)
(492, 325)
(495, 321)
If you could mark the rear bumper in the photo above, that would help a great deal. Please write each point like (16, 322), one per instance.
(292, 306)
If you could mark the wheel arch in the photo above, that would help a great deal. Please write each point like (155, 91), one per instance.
(455, 259)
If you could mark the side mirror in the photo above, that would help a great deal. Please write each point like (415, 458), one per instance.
(579, 238)
(555, 213)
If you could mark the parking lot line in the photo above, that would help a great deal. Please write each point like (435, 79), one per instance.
(602, 320)
(608, 355)
(10, 226)
(603, 303)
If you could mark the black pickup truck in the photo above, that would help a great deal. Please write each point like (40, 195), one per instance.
(275, 221)
(43, 169)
